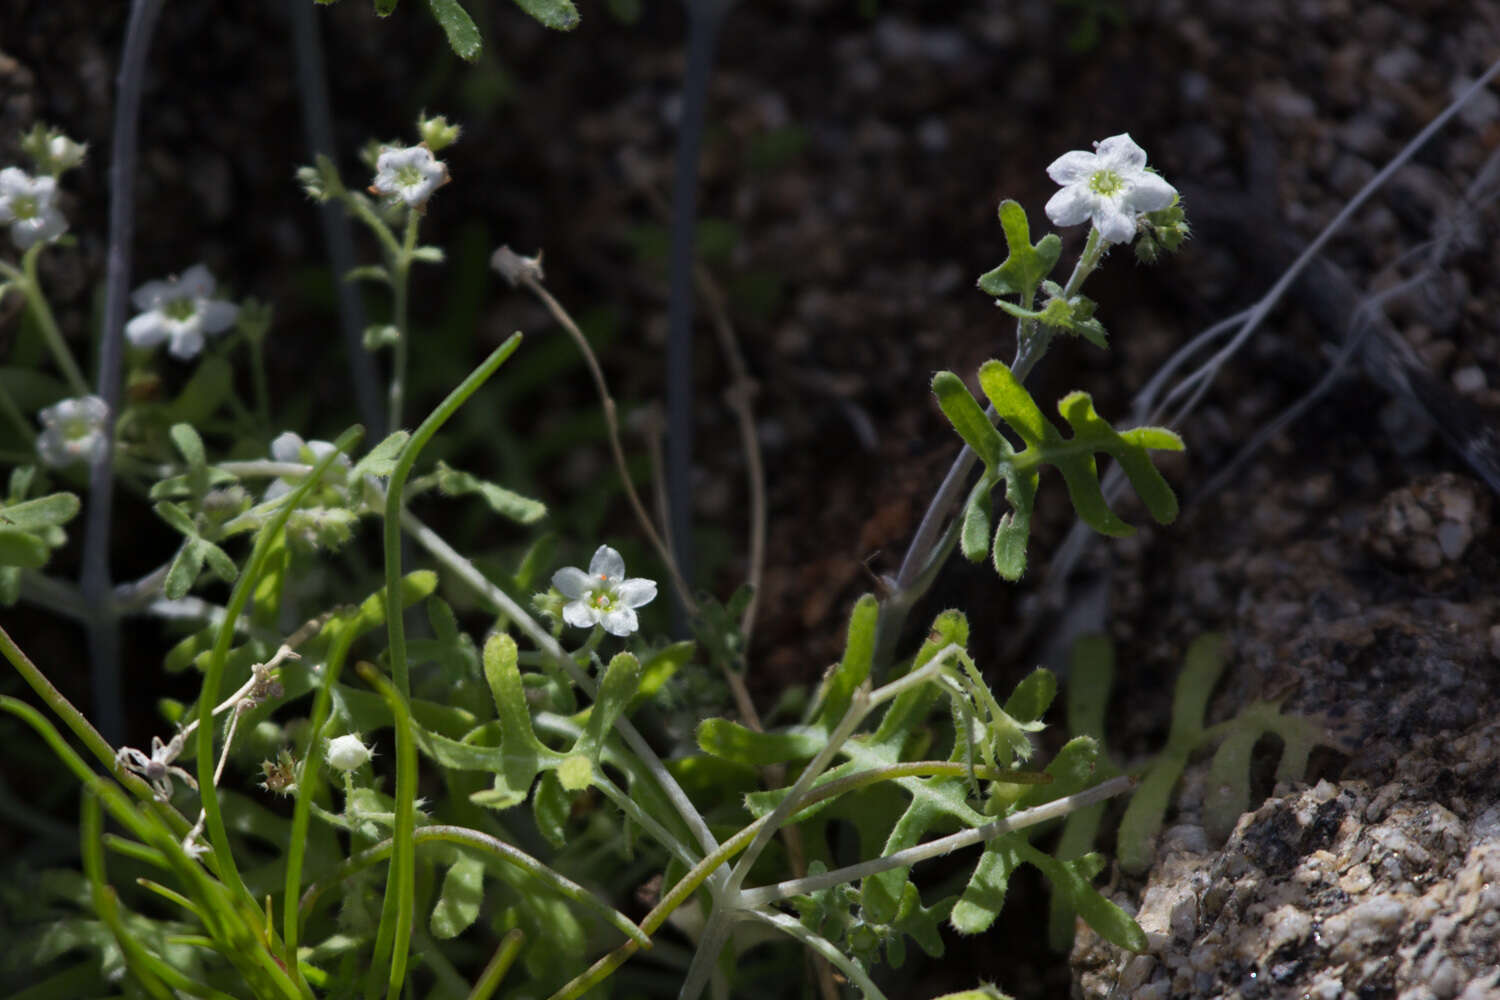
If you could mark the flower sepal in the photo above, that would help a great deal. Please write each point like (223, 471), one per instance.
(1166, 229)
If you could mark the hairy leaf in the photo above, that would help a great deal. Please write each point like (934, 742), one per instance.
(732, 741)
(1027, 264)
(1045, 445)
(854, 669)
(463, 36)
(43, 512)
(982, 898)
(560, 15)
(506, 503)
(458, 904)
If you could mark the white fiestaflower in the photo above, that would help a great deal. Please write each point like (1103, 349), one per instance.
(603, 596)
(1109, 187)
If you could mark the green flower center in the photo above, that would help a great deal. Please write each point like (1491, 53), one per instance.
(1106, 183)
(23, 207)
(603, 600)
(76, 429)
(180, 310)
(409, 176)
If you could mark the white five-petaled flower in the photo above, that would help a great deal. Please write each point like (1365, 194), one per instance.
(409, 174)
(28, 206)
(1109, 187)
(603, 596)
(179, 310)
(73, 431)
(347, 753)
(289, 447)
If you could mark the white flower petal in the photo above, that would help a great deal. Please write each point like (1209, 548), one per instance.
(572, 582)
(1070, 206)
(287, 447)
(1072, 167)
(636, 592)
(620, 621)
(1151, 193)
(579, 614)
(186, 343)
(1121, 154)
(607, 564)
(146, 330)
(150, 295)
(217, 315)
(196, 282)
(1114, 225)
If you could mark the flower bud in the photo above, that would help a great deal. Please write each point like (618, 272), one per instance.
(347, 753)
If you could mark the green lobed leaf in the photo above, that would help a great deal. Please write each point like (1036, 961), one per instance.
(43, 512)
(457, 906)
(983, 897)
(1071, 879)
(1227, 789)
(854, 669)
(1013, 530)
(189, 445)
(1033, 696)
(1074, 458)
(381, 459)
(660, 666)
(19, 548)
(1136, 838)
(218, 560)
(179, 519)
(550, 804)
(909, 710)
(524, 754)
(506, 503)
(732, 741)
(622, 678)
(1027, 264)
(1201, 668)
(184, 570)
(963, 412)
(559, 15)
(463, 36)
(974, 537)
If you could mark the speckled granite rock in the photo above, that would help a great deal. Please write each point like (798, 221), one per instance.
(1334, 891)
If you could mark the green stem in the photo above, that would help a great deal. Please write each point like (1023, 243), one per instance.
(307, 786)
(394, 500)
(14, 415)
(505, 956)
(400, 887)
(400, 268)
(26, 280)
(68, 713)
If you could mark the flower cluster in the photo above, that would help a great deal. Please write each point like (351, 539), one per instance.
(603, 596)
(1110, 187)
(179, 310)
(74, 430)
